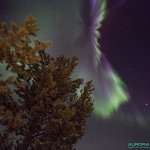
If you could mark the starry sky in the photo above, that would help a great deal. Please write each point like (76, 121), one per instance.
(126, 45)
(125, 41)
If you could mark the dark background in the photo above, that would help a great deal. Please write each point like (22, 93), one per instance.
(125, 40)
(126, 43)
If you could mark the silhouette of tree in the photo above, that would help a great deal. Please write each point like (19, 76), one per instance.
(42, 109)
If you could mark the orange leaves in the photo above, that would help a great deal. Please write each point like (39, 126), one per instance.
(46, 109)
(9, 79)
(30, 25)
(41, 45)
(15, 27)
(4, 85)
(1, 109)
(67, 113)
(19, 84)
(15, 123)
(15, 44)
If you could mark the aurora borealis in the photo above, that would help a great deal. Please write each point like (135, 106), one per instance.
(110, 91)
(111, 39)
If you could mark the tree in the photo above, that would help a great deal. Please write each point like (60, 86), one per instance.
(43, 109)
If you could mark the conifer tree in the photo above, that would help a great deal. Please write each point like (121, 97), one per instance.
(43, 109)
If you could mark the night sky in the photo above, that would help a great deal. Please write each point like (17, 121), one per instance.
(125, 41)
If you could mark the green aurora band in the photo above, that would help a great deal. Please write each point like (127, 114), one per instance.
(110, 91)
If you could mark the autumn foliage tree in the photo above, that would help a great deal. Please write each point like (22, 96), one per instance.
(42, 110)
